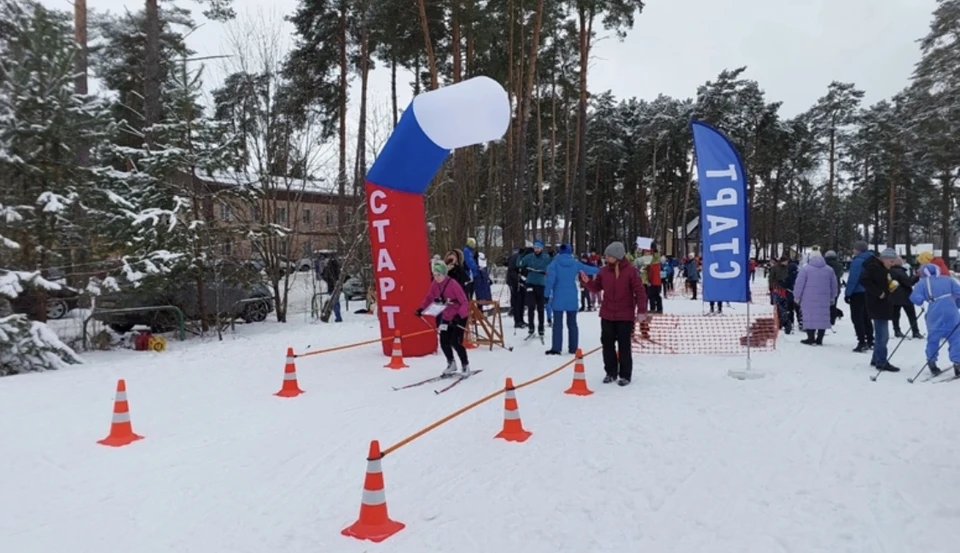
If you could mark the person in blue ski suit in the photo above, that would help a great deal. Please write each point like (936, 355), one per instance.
(471, 267)
(535, 264)
(561, 293)
(943, 294)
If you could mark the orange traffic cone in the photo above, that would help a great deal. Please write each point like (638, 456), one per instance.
(579, 385)
(121, 431)
(468, 342)
(512, 427)
(290, 387)
(396, 358)
(374, 523)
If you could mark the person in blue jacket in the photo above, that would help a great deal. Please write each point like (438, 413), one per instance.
(856, 297)
(943, 294)
(535, 265)
(471, 267)
(561, 293)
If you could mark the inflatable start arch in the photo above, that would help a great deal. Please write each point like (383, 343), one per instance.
(435, 123)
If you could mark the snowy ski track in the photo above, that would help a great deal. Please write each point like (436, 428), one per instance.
(812, 458)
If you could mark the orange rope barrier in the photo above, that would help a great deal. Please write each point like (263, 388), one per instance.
(358, 344)
(477, 403)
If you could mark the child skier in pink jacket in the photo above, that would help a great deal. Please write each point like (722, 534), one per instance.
(453, 319)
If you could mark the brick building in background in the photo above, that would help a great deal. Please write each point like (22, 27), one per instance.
(307, 207)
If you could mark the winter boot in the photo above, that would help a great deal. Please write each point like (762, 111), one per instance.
(451, 368)
(466, 367)
(552, 352)
(956, 370)
(810, 339)
(917, 335)
(934, 369)
(861, 347)
(897, 333)
(820, 334)
(608, 379)
(889, 368)
(623, 382)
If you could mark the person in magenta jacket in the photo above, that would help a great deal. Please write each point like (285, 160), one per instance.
(453, 319)
(624, 302)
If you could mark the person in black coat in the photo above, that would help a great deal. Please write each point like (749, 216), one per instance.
(901, 300)
(516, 291)
(879, 285)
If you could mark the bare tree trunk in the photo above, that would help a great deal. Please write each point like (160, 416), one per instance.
(428, 45)
(342, 159)
(393, 89)
(80, 66)
(686, 202)
(362, 124)
(151, 68)
(526, 97)
(585, 28)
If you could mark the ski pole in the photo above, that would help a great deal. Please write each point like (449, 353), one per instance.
(889, 357)
(916, 376)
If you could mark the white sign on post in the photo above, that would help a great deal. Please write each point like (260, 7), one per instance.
(644, 243)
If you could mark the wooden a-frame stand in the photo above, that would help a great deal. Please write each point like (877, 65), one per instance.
(486, 326)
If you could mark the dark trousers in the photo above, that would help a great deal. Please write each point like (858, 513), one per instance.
(692, 286)
(516, 302)
(585, 301)
(862, 324)
(668, 283)
(614, 336)
(470, 289)
(911, 312)
(452, 339)
(718, 305)
(816, 336)
(535, 303)
(654, 299)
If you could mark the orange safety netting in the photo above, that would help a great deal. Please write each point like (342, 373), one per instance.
(707, 334)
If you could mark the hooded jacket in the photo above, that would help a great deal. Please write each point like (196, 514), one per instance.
(853, 279)
(815, 290)
(943, 293)
(562, 276)
(623, 293)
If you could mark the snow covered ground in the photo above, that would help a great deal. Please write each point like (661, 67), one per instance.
(812, 458)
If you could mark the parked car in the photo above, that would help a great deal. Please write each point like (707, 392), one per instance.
(306, 263)
(58, 304)
(353, 289)
(231, 292)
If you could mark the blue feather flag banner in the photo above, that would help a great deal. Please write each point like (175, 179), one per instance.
(724, 222)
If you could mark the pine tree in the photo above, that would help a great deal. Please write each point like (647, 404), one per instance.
(42, 123)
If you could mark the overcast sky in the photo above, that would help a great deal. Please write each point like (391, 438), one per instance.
(793, 48)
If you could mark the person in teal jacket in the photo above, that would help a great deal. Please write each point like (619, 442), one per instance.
(535, 266)
(561, 294)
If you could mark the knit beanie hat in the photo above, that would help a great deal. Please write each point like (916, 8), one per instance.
(616, 250)
(815, 253)
(439, 268)
(888, 253)
(565, 248)
(830, 254)
(860, 246)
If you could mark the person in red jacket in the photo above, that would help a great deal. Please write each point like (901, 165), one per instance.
(624, 302)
